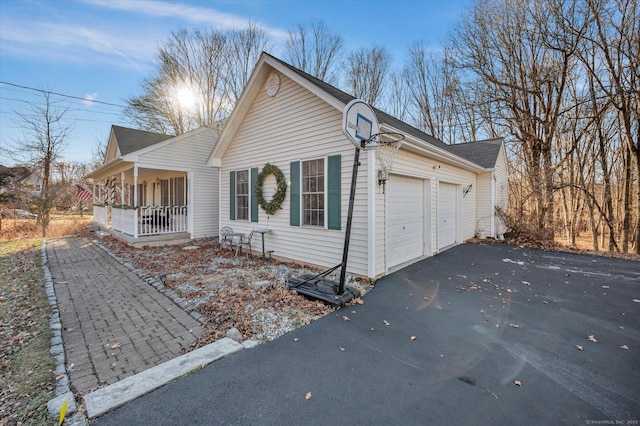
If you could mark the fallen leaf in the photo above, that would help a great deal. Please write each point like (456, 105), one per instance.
(517, 383)
(346, 318)
(486, 280)
(625, 347)
(580, 348)
(60, 377)
(359, 301)
(307, 396)
(413, 337)
(116, 345)
(386, 322)
(70, 329)
(592, 339)
(514, 325)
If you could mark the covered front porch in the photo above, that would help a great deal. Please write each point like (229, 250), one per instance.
(142, 205)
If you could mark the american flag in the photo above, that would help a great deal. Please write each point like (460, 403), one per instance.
(83, 194)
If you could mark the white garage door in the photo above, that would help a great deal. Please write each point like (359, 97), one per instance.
(446, 215)
(405, 220)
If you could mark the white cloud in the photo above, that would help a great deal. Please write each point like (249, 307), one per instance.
(77, 43)
(177, 11)
(89, 98)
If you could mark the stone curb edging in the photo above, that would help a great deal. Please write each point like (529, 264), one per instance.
(106, 399)
(63, 391)
(155, 282)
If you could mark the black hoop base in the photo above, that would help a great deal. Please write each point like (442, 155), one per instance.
(316, 287)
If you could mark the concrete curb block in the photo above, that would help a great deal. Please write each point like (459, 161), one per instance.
(62, 391)
(117, 394)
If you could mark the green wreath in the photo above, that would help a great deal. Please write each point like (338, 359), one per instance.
(281, 189)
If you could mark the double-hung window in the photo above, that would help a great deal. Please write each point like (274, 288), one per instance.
(314, 192)
(242, 195)
(313, 196)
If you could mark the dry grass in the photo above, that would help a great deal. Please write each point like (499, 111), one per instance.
(26, 366)
(15, 229)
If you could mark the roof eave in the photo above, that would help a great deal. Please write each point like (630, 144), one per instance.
(424, 148)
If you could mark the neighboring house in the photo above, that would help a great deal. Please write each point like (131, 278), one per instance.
(437, 195)
(22, 181)
(155, 188)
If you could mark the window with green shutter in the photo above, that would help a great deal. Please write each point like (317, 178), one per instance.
(254, 199)
(294, 193)
(232, 195)
(308, 192)
(334, 178)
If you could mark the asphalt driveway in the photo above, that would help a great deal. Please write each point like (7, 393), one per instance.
(481, 334)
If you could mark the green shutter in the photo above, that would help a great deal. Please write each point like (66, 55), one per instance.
(232, 195)
(294, 193)
(252, 191)
(334, 199)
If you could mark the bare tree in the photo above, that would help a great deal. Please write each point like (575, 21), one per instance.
(398, 96)
(45, 136)
(436, 95)
(366, 73)
(98, 154)
(315, 49)
(615, 36)
(243, 50)
(188, 90)
(516, 50)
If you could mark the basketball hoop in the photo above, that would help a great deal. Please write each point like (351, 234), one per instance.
(385, 145)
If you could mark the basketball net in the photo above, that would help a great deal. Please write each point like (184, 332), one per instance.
(385, 146)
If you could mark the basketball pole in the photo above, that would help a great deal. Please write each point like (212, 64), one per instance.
(347, 234)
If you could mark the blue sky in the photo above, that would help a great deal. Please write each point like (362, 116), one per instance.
(102, 49)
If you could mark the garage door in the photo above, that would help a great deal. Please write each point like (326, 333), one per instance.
(446, 215)
(405, 220)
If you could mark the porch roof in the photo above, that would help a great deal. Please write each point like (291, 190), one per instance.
(115, 166)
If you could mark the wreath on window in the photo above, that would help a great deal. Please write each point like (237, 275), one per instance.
(281, 189)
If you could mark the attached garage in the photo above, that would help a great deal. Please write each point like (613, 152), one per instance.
(447, 214)
(405, 230)
(437, 195)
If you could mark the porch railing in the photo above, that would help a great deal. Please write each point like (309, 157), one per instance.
(155, 220)
(149, 220)
(100, 215)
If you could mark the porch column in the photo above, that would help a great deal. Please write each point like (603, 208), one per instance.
(135, 200)
(122, 200)
(135, 185)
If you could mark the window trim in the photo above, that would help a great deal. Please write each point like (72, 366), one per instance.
(248, 195)
(324, 193)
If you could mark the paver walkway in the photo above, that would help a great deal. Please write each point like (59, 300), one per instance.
(114, 324)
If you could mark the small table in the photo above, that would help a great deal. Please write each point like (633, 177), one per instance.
(262, 232)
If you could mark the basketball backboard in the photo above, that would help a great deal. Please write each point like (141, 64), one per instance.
(359, 122)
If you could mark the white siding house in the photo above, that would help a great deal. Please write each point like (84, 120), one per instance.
(157, 189)
(436, 196)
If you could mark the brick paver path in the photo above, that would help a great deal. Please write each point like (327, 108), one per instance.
(114, 324)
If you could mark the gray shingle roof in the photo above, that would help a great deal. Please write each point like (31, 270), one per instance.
(131, 140)
(483, 153)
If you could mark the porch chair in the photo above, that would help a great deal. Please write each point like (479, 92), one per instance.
(246, 243)
(225, 237)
